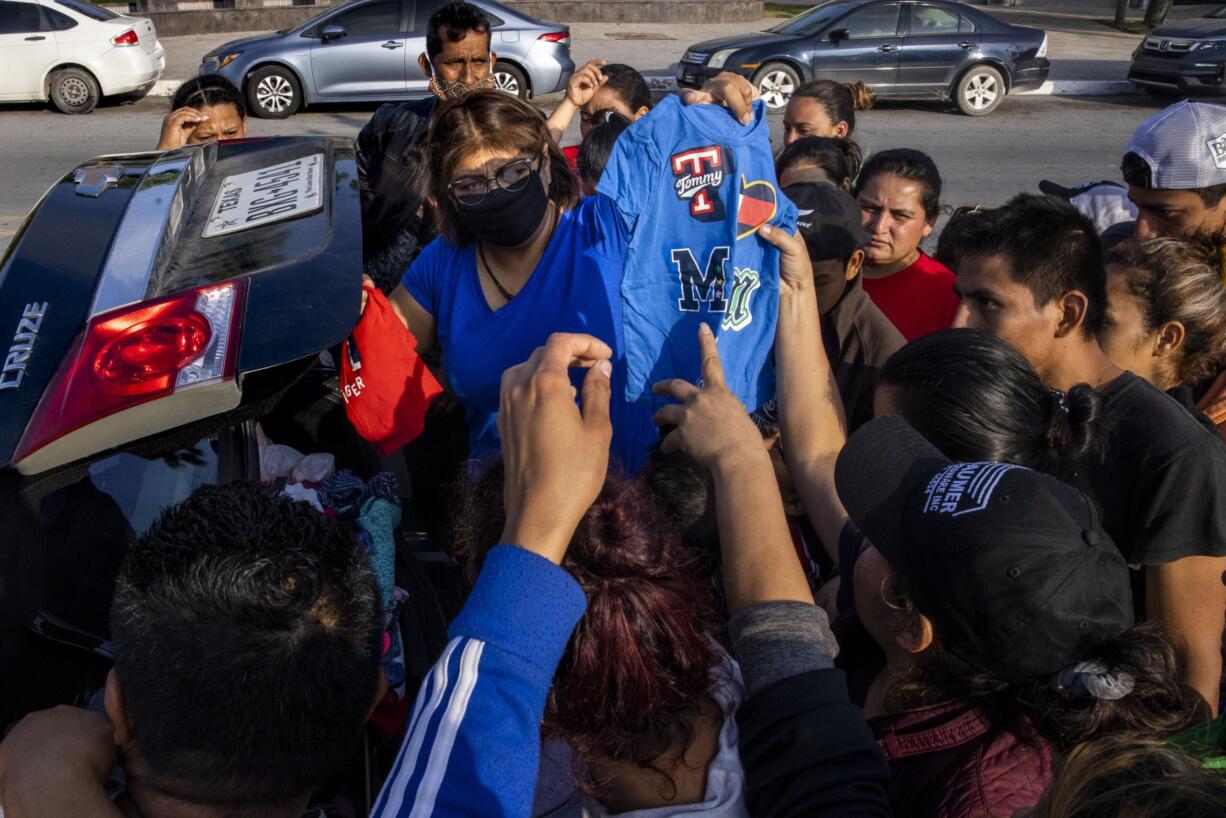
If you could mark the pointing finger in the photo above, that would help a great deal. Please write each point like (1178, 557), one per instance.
(712, 366)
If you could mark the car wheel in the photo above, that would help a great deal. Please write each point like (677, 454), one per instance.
(74, 91)
(273, 92)
(510, 79)
(776, 82)
(980, 90)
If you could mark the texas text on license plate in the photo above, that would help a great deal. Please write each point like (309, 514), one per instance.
(267, 195)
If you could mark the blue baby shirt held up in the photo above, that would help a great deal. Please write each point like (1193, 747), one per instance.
(695, 184)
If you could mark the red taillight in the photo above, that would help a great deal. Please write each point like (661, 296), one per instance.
(147, 354)
(555, 36)
(136, 354)
(129, 37)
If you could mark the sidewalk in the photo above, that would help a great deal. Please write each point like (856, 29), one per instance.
(1087, 57)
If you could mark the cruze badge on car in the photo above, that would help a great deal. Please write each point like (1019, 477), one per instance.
(23, 346)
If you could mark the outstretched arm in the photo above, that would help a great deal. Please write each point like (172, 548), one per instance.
(811, 425)
(473, 744)
(805, 748)
(760, 563)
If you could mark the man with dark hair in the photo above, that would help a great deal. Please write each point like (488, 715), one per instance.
(1032, 274)
(459, 59)
(459, 54)
(1175, 168)
(247, 633)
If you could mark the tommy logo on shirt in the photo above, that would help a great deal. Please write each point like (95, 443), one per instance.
(697, 174)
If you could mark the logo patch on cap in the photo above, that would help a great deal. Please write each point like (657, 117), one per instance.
(1217, 149)
(964, 488)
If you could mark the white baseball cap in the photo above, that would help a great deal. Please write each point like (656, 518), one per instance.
(1104, 203)
(1184, 146)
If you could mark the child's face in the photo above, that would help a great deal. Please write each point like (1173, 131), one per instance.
(830, 277)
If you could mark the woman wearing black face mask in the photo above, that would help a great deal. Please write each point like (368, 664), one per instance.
(519, 257)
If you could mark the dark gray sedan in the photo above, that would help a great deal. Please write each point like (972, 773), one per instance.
(902, 50)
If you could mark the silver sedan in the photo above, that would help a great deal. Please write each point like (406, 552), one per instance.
(366, 50)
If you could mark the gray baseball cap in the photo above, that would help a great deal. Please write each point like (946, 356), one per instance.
(1184, 146)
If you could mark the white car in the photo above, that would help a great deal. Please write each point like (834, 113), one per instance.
(74, 53)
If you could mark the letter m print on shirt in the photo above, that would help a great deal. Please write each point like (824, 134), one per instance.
(698, 285)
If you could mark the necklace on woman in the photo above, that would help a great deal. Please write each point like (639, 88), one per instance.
(503, 291)
(490, 272)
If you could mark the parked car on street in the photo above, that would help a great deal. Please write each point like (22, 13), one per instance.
(1188, 57)
(74, 53)
(367, 50)
(197, 314)
(902, 50)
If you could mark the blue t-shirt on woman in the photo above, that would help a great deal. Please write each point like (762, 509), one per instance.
(574, 288)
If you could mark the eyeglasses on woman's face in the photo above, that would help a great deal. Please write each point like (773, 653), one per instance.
(511, 177)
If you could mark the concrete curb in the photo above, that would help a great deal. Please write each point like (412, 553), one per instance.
(1083, 88)
(668, 82)
(164, 88)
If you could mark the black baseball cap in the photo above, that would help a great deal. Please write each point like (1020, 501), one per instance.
(1011, 565)
(828, 219)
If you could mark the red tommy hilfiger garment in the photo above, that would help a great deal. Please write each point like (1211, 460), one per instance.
(918, 299)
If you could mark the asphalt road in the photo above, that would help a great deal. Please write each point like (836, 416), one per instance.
(983, 160)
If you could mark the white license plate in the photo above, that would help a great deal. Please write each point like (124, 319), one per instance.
(268, 195)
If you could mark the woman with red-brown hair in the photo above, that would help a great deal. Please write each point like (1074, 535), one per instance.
(644, 696)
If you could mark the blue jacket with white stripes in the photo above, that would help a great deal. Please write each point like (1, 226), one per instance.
(473, 742)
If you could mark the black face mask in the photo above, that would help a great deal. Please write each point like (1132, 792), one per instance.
(506, 219)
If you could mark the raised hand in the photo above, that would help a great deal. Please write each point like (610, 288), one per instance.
(555, 455)
(795, 268)
(730, 90)
(585, 83)
(177, 127)
(711, 423)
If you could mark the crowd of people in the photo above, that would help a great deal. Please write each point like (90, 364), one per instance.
(828, 527)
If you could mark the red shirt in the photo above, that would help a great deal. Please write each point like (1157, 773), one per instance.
(918, 299)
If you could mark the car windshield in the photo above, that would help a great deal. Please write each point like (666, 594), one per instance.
(88, 9)
(813, 19)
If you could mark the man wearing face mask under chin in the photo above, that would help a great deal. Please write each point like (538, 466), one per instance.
(520, 256)
(458, 60)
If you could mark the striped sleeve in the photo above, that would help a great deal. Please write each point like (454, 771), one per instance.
(473, 742)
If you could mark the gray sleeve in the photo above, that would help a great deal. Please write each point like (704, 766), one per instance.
(778, 640)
